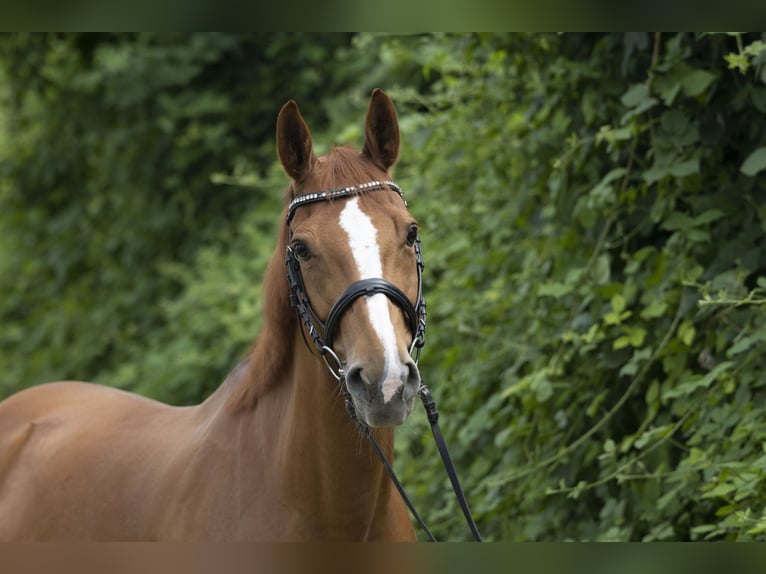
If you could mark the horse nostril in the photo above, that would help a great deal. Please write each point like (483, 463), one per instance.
(356, 383)
(364, 384)
(411, 379)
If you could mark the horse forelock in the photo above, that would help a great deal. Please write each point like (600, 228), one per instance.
(341, 166)
(346, 166)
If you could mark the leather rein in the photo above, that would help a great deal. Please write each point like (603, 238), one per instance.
(322, 336)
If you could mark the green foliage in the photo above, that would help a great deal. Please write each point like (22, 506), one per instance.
(127, 158)
(593, 214)
(594, 220)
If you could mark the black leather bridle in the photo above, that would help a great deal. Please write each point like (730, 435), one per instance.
(322, 333)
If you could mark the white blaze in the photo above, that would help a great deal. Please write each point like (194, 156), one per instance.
(362, 237)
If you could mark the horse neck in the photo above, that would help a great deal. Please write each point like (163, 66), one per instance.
(331, 472)
(293, 429)
(297, 444)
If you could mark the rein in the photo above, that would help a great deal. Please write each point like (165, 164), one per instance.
(416, 320)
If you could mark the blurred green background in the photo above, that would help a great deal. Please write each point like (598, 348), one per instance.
(593, 211)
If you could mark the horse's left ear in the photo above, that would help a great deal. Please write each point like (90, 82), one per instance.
(381, 131)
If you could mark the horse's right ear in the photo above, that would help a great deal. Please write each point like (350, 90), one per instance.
(381, 131)
(294, 142)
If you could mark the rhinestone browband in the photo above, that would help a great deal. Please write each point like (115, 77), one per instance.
(340, 192)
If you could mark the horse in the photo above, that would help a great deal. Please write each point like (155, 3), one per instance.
(272, 454)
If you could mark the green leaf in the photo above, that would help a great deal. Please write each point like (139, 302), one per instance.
(637, 336)
(652, 393)
(704, 528)
(554, 289)
(686, 332)
(708, 216)
(668, 90)
(638, 99)
(634, 337)
(655, 173)
(755, 162)
(675, 122)
(697, 82)
(636, 95)
(656, 433)
(738, 61)
(601, 269)
(723, 489)
(745, 343)
(543, 389)
(618, 303)
(698, 235)
(703, 382)
(677, 220)
(655, 309)
(685, 168)
(611, 176)
(621, 343)
(638, 110)
(595, 404)
(502, 437)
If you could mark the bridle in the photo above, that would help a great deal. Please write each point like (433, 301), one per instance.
(322, 334)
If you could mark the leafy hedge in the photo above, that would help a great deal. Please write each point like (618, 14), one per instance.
(119, 171)
(593, 211)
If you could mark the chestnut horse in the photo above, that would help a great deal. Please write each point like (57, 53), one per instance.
(272, 454)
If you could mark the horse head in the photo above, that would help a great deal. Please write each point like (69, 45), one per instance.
(354, 262)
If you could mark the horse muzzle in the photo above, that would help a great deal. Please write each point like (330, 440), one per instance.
(383, 397)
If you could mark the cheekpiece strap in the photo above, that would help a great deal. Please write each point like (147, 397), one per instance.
(340, 192)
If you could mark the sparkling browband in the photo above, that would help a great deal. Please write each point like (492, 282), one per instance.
(340, 192)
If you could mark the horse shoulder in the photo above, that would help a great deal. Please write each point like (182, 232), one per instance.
(88, 440)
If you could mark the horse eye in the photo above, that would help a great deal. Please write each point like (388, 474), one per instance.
(301, 252)
(412, 235)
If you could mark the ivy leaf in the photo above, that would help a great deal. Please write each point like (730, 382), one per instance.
(755, 162)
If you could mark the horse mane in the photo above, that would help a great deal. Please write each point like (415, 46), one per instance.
(271, 352)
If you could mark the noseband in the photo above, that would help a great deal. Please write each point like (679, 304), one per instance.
(322, 333)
